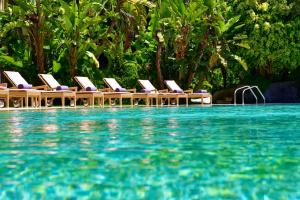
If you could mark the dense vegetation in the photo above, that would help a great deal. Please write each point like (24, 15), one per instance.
(201, 43)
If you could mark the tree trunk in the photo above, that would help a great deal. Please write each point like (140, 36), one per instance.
(191, 73)
(39, 51)
(160, 78)
(128, 39)
(193, 68)
(73, 55)
(39, 39)
(73, 60)
(224, 74)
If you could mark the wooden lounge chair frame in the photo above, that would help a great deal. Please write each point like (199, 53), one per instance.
(163, 94)
(23, 94)
(136, 96)
(110, 93)
(189, 92)
(4, 94)
(51, 92)
(91, 96)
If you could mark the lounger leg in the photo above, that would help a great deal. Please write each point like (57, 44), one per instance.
(187, 101)
(63, 101)
(93, 101)
(202, 100)
(46, 100)
(26, 101)
(7, 101)
(22, 102)
(177, 101)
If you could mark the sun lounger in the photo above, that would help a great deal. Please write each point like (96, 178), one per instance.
(162, 94)
(115, 91)
(22, 90)
(55, 90)
(89, 91)
(202, 94)
(4, 96)
(148, 97)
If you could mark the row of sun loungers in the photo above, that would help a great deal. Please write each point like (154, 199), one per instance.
(23, 93)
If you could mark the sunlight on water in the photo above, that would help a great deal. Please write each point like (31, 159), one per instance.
(250, 152)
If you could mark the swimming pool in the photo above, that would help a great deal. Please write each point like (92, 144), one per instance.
(219, 152)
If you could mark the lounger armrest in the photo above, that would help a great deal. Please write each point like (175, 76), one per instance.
(73, 89)
(41, 87)
(133, 90)
(3, 85)
(105, 90)
(188, 91)
(163, 91)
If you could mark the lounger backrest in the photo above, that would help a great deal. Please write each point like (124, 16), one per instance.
(112, 83)
(146, 84)
(172, 85)
(15, 78)
(84, 82)
(49, 80)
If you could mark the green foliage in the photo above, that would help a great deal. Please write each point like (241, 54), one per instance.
(205, 43)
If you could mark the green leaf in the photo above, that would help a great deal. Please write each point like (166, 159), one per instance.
(11, 61)
(93, 57)
(230, 23)
(160, 37)
(244, 45)
(56, 66)
(241, 61)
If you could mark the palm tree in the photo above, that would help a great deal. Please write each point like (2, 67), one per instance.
(29, 19)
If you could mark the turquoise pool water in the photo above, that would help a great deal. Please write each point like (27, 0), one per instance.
(219, 152)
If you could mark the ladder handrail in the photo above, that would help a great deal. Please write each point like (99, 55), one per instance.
(243, 87)
(259, 91)
(243, 95)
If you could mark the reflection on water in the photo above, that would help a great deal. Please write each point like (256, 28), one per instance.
(50, 128)
(87, 125)
(172, 125)
(147, 125)
(112, 125)
(160, 153)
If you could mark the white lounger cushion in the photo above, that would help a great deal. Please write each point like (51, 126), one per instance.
(85, 82)
(173, 85)
(16, 78)
(205, 100)
(113, 84)
(146, 84)
(50, 80)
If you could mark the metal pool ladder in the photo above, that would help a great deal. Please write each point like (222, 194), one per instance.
(249, 88)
